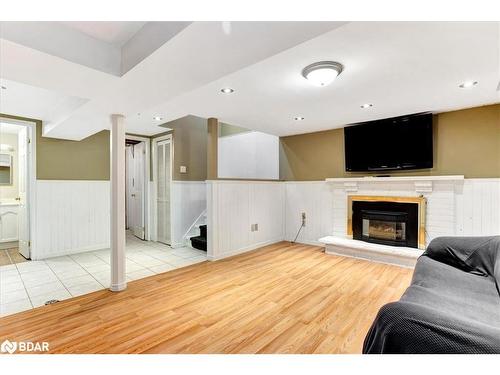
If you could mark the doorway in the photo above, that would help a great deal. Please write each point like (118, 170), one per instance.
(162, 161)
(137, 186)
(17, 171)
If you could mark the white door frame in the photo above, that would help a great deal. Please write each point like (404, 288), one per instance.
(147, 184)
(168, 137)
(32, 133)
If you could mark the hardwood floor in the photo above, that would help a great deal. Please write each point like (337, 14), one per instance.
(11, 256)
(283, 298)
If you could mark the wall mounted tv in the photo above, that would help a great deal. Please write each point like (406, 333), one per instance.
(390, 144)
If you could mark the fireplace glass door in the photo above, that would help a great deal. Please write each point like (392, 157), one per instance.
(384, 227)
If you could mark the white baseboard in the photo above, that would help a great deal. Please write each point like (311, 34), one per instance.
(307, 242)
(8, 245)
(75, 251)
(243, 250)
(177, 245)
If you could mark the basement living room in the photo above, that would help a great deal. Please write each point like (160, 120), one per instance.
(313, 188)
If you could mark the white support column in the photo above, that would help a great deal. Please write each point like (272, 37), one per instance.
(118, 282)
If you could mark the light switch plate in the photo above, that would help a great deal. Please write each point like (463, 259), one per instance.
(183, 169)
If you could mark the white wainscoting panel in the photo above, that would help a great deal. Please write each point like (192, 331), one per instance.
(71, 217)
(232, 208)
(315, 198)
(478, 207)
(470, 207)
(189, 200)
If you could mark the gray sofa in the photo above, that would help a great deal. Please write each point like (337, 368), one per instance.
(451, 306)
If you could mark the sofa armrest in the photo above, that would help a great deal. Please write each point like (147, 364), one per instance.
(476, 255)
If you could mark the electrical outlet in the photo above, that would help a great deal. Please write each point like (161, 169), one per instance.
(303, 216)
(183, 169)
(256, 227)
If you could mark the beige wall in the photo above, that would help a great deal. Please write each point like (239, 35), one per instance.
(466, 142)
(226, 129)
(189, 136)
(10, 191)
(59, 159)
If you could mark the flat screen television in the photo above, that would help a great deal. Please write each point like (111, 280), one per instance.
(390, 144)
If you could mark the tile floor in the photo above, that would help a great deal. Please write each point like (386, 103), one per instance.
(30, 284)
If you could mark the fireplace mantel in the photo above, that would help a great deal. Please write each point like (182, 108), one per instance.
(423, 184)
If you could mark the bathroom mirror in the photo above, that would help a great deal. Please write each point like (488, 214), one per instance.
(5, 169)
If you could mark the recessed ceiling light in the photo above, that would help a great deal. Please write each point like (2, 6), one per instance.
(157, 118)
(468, 84)
(298, 118)
(322, 73)
(3, 87)
(367, 105)
(227, 90)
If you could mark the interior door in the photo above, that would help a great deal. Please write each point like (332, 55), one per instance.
(24, 152)
(136, 189)
(163, 191)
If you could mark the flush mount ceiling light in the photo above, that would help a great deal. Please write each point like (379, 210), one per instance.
(157, 118)
(298, 118)
(227, 90)
(367, 105)
(322, 73)
(467, 84)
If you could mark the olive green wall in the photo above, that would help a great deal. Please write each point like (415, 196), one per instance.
(466, 142)
(189, 137)
(59, 159)
(226, 129)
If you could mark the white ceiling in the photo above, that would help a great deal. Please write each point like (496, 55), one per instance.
(113, 32)
(34, 102)
(399, 67)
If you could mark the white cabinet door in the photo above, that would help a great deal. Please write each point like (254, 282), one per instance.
(8, 224)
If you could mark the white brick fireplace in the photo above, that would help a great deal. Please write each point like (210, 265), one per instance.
(455, 206)
(441, 193)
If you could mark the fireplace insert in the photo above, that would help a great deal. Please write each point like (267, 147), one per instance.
(387, 223)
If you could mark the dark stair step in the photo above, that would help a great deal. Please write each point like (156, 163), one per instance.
(199, 242)
(203, 231)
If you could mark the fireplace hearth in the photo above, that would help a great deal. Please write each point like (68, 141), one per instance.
(386, 223)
